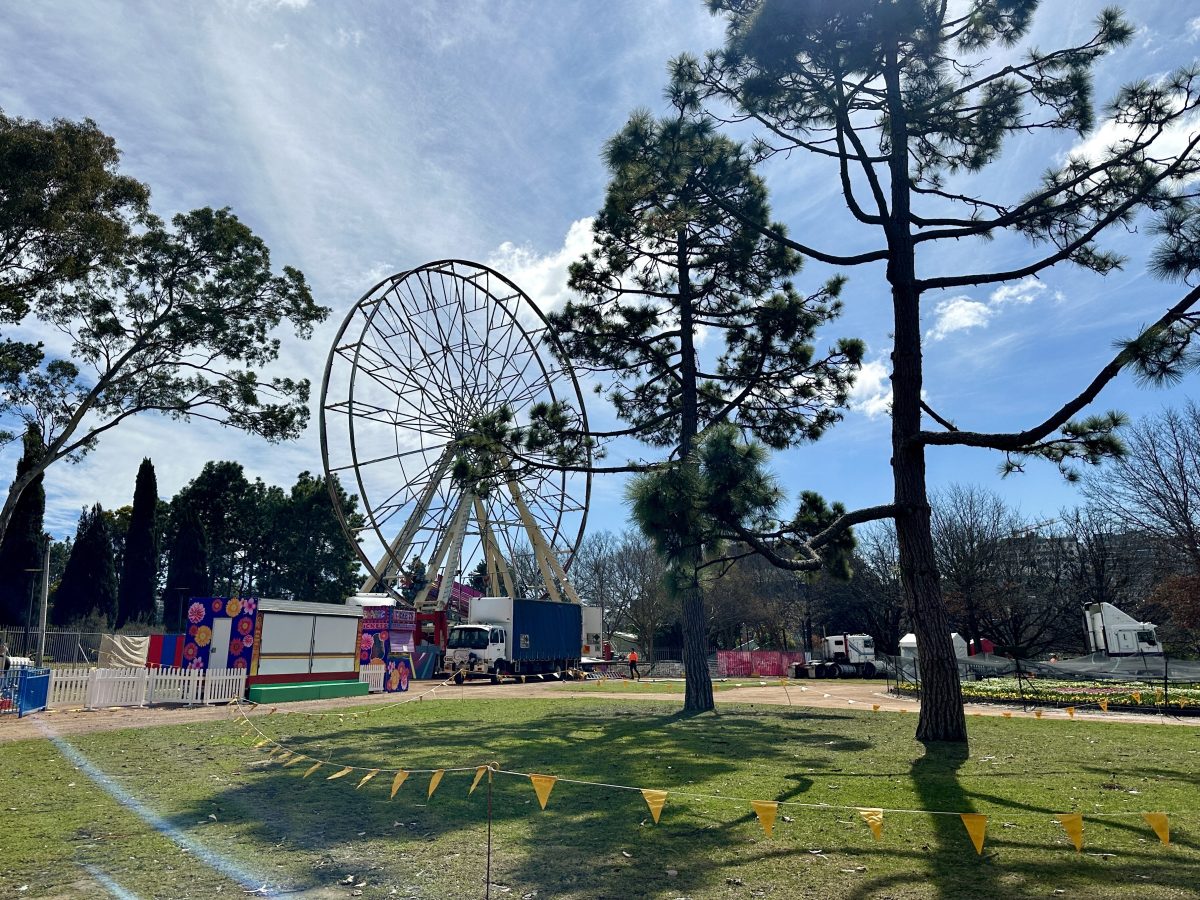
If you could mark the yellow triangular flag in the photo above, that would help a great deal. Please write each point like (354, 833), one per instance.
(435, 781)
(874, 707)
(296, 758)
(341, 774)
(479, 770)
(655, 800)
(366, 778)
(542, 786)
(397, 781)
(262, 743)
(1137, 696)
(1103, 704)
(311, 769)
(1037, 713)
(976, 826)
(765, 810)
(1070, 712)
(873, 818)
(1072, 824)
(1158, 821)
(1007, 715)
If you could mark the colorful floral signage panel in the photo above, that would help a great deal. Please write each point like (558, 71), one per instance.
(203, 614)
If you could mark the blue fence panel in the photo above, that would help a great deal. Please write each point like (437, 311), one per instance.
(33, 691)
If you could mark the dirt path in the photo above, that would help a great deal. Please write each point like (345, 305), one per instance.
(825, 695)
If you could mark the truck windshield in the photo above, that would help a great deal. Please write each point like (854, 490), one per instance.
(467, 639)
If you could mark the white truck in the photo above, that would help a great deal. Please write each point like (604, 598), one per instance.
(1114, 633)
(506, 636)
(842, 656)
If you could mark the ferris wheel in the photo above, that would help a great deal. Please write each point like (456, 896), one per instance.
(420, 371)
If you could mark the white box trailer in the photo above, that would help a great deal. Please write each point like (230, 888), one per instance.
(1113, 632)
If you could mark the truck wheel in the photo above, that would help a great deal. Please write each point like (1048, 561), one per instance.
(459, 677)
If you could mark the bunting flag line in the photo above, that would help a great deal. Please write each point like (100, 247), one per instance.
(396, 782)
(479, 770)
(1158, 821)
(434, 781)
(874, 820)
(976, 825)
(655, 800)
(766, 811)
(366, 778)
(1072, 824)
(341, 773)
(543, 785)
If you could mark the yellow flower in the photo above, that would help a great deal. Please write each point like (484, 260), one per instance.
(203, 636)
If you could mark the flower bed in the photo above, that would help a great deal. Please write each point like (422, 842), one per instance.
(1082, 693)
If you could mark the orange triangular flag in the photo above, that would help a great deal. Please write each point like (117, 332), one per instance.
(341, 773)
(1071, 712)
(765, 810)
(311, 769)
(435, 781)
(367, 778)
(1103, 704)
(976, 826)
(873, 818)
(397, 781)
(1072, 823)
(655, 800)
(479, 770)
(542, 786)
(1158, 821)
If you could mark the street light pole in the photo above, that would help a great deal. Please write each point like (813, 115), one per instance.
(45, 602)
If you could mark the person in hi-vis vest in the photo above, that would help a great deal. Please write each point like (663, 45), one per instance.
(633, 670)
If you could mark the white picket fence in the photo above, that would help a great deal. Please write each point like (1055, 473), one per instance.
(101, 688)
(373, 675)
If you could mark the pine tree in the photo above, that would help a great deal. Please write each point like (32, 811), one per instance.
(139, 562)
(88, 588)
(21, 549)
(672, 264)
(907, 102)
(187, 564)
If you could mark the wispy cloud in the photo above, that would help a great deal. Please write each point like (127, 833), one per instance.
(964, 314)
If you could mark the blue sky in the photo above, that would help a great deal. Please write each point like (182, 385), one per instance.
(364, 138)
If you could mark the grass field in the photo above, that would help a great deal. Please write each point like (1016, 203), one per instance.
(194, 811)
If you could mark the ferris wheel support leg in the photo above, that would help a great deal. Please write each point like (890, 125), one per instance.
(457, 522)
(458, 532)
(491, 553)
(399, 547)
(546, 560)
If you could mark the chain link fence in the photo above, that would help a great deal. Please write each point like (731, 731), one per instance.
(64, 647)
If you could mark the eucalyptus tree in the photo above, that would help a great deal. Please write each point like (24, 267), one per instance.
(687, 317)
(907, 102)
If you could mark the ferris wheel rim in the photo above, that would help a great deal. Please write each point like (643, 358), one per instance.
(448, 266)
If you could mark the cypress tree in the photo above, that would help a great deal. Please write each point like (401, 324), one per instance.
(89, 582)
(187, 565)
(21, 548)
(139, 564)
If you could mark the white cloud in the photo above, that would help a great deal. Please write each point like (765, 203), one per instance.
(963, 314)
(1193, 29)
(959, 314)
(543, 276)
(872, 391)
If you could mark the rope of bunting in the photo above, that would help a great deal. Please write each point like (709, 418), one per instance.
(765, 810)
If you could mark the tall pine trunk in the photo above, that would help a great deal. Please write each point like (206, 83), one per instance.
(942, 717)
(698, 692)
